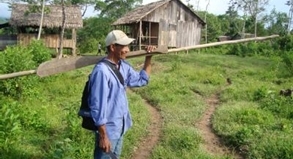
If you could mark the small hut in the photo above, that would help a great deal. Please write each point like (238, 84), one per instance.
(27, 23)
(166, 22)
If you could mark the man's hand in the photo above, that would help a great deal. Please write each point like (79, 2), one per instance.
(105, 144)
(150, 48)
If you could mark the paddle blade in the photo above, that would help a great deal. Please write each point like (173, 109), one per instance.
(55, 66)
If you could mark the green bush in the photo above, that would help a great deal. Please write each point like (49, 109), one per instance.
(39, 51)
(16, 58)
(260, 93)
(21, 58)
(285, 43)
(219, 50)
(276, 145)
(279, 106)
(287, 58)
(263, 48)
(88, 46)
(10, 127)
(267, 48)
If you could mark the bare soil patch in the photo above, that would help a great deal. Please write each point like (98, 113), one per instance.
(144, 149)
(212, 142)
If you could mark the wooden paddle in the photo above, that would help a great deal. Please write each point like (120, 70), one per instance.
(67, 64)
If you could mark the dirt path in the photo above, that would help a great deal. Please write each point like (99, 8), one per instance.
(212, 143)
(144, 150)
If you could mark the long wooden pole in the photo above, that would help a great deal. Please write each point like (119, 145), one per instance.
(17, 74)
(78, 62)
(221, 43)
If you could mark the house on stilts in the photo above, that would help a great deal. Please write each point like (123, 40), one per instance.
(166, 22)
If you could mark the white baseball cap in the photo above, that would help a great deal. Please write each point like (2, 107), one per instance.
(118, 37)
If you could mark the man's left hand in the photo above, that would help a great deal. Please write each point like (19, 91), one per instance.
(150, 48)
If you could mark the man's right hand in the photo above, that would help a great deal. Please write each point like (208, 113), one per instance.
(104, 142)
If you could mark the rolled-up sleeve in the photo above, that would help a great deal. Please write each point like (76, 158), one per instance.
(98, 97)
(137, 79)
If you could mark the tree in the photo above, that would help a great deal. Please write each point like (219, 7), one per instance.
(205, 19)
(42, 17)
(277, 22)
(251, 7)
(290, 4)
(214, 30)
(115, 8)
(62, 31)
(84, 4)
(94, 30)
(233, 20)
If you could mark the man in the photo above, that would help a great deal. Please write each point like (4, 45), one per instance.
(99, 48)
(108, 101)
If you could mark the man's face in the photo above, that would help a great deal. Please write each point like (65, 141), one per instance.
(121, 51)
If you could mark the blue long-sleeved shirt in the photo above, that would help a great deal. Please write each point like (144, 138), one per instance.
(108, 100)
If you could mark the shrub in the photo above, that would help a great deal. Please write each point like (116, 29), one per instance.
(287, 58)
(279, 106)
(88, 46)
(16, 58)
(21, 58)
(260, 93)
(285, 43)
(252, 48)
(39, 51)
(10, 127)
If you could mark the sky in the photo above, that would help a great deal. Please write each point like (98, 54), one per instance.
(220, 6)
(216, 6)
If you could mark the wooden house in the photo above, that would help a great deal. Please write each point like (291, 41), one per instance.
(165, 22)
(27, 23)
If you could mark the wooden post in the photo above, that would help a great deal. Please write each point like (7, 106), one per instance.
(140, 30)
(42, 17)
(150, 33)
(74, 42)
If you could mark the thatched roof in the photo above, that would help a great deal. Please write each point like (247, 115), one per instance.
(20, 16)
(140, 12)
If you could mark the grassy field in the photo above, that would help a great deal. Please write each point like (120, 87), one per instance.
(251, 117)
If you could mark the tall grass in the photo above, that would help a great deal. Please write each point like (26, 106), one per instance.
(250, 112)
(251, 116)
